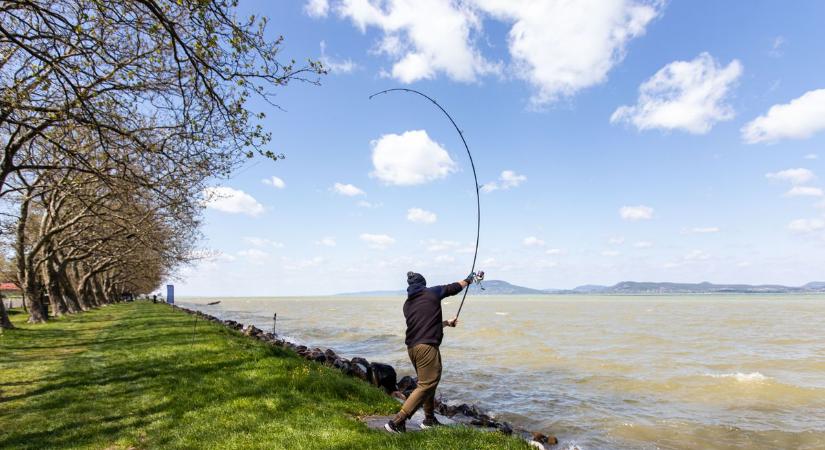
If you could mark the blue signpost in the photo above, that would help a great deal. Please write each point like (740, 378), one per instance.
(170, 294)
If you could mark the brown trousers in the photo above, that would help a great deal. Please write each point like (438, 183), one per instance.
(426, 359)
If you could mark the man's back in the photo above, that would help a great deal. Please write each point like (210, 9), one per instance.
(423, 313)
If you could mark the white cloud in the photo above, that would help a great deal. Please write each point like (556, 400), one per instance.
(336, 66)
(253, 254)
(704, 230)
(434, 245)
(811, 156)
(317, 8)
(377, 241)
(419, 215)
(347, 190)
(685, 95)
(262, 242)
(799, 119)
(508, 179)
(643, 244)
(557, 46)
(804, 191)
(326, 242)
(232, 201)
(532, 241)
(806, 225)
(554, 251)
(611, 253)
(275, 182)
(561, 47)
(444, 259)
(423, 37)
(795, 176)
(616, 240)
(634, 213)
(410, 158)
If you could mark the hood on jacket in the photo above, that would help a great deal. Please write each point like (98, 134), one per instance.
(416, 283)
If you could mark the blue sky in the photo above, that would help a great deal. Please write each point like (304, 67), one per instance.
(617, 139)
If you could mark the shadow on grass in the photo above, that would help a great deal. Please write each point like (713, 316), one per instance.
(133, 376)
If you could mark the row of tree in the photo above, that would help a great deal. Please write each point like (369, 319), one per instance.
(114, 117)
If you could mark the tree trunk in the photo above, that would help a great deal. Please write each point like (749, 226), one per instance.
(98, 292)
(80, 290)
(26, 278)
(67, 291)
(5, 323)
(58, 306)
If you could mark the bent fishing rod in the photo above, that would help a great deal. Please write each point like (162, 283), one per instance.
(477, 277)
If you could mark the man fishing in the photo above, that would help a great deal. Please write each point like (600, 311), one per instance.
(422, 310)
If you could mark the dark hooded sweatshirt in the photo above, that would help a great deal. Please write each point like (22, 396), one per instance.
(423, 311)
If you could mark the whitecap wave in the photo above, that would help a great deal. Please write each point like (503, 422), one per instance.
(499, 313)
(753, 377)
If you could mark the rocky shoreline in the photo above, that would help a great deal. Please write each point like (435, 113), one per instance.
(382, 376)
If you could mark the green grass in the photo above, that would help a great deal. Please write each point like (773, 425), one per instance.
(132, 376)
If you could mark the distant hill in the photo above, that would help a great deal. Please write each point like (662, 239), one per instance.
(636, 287)
(500, 287)
(491, 287)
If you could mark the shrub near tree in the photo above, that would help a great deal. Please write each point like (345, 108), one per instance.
(114, 116)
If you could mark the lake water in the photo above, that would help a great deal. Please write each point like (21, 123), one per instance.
(600, 372)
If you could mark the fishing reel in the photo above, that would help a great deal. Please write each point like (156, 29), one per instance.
(478, 277)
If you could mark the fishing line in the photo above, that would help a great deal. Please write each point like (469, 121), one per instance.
(479, 276)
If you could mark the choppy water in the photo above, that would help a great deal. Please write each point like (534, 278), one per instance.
(647, 372)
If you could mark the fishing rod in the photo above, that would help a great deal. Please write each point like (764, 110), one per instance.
(477, 276)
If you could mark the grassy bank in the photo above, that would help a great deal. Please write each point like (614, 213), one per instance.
(136, 376)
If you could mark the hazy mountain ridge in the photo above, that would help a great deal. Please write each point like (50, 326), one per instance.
(500, 287)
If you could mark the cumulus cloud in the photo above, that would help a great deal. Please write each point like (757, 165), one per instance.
(561, 47)
(419, 215)
(806, 225)
(800, 119)
(377, 241)
(508, 179)
(811, 156)
(532, 241)
(616, 240)
(232, 201)
(275, 182)
(334, 65)
(554, 251)
(262, 242)
(348, 190)
(804, 191)
(634, 213)
(435, 245)
(684, 95)
(317, 8)
(643, 244)
(794, 176)
(611, 253)
(410, 158)
(326, 242)
(423, 37)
